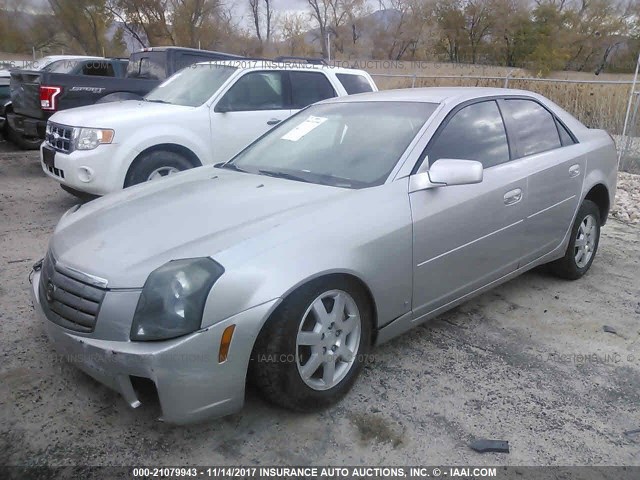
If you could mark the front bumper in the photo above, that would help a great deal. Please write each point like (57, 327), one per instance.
(88, 171)
(191, 384)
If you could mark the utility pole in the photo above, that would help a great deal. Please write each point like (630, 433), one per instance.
(329, 46)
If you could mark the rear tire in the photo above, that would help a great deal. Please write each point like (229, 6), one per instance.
(296, 340)
(154, 165)
(585, 237)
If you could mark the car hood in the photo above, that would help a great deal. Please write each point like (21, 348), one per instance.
(123, 237)
(110, 115)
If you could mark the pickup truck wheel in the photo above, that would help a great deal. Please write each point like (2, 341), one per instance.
(155, 165)
(585, 236)
(312, 348)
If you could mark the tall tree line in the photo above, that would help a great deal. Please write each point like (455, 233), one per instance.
(542, 35)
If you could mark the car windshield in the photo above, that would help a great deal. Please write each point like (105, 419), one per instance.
(349, 145)
(191, 86)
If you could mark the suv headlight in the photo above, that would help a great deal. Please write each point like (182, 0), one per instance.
(172, 299)
(90, 138)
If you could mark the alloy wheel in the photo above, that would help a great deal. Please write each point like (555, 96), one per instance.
(328, 340)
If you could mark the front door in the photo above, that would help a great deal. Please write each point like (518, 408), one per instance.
(255, 103)
(467, 236)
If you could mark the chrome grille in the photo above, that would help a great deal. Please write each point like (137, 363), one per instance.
(68, 301)
(59, 137)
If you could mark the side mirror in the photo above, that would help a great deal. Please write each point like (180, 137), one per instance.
(447, 171)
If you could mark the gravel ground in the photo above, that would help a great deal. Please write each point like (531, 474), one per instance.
(528, 362)
(627, 205)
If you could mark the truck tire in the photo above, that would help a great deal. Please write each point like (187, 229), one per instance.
(155, 165)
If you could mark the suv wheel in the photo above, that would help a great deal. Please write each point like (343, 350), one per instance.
(156, 165)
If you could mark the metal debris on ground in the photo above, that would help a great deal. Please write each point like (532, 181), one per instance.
(483, 445)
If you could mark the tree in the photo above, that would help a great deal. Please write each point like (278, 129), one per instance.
(450, 20)
(478, 22)
(331, 16)
(262, 23)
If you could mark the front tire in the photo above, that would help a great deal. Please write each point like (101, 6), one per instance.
(585, 237)
(311, 350)
(155, 165)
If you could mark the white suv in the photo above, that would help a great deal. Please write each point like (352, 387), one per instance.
(206, 113)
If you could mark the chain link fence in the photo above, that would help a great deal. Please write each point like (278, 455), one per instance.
(596, 103)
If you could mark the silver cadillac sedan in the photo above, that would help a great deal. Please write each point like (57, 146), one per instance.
(345, 226)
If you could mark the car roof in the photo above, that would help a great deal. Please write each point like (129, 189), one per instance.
(53, 58)
(186, 49)
(432, 95)
(260, 64)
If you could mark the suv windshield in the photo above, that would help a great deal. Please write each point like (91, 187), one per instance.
(191, 86)
(349, 145)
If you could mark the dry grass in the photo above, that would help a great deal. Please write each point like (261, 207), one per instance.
(596, 105)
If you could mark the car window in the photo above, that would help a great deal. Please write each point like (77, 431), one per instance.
(191, 86)
(98, 69)
(354, 83)
(349, 145)
(475, 132)
(62, 66)
(534, 125)
(149, 65)
(309, 87)
(255, 91)
(187, 59)
(565, 136)
(4, 91)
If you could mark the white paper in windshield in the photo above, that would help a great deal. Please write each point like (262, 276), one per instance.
(305, 127)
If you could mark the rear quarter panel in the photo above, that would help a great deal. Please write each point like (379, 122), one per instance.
(602, 162)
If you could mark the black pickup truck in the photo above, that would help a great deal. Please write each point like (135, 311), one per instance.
(36, 95)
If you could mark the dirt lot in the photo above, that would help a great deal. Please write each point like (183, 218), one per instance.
(528, 363)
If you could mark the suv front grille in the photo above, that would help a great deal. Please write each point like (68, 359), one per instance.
(67, 301)
(59, 137)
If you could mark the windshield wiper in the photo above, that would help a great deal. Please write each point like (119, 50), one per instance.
(230, 166)
(288, 176)
(156, 101)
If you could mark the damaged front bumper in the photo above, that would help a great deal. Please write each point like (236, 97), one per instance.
(191, 382)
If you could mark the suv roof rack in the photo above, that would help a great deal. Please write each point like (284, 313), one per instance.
(312, 60)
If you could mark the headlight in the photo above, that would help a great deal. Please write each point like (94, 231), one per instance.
(173, 298)
(90, 138)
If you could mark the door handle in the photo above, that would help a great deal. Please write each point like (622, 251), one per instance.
(574, 170)
(513, 196)
(273, 121)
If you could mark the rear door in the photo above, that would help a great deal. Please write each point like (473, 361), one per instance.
(308, 88)
(467, 236)
(555, 165)
(256, 102)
